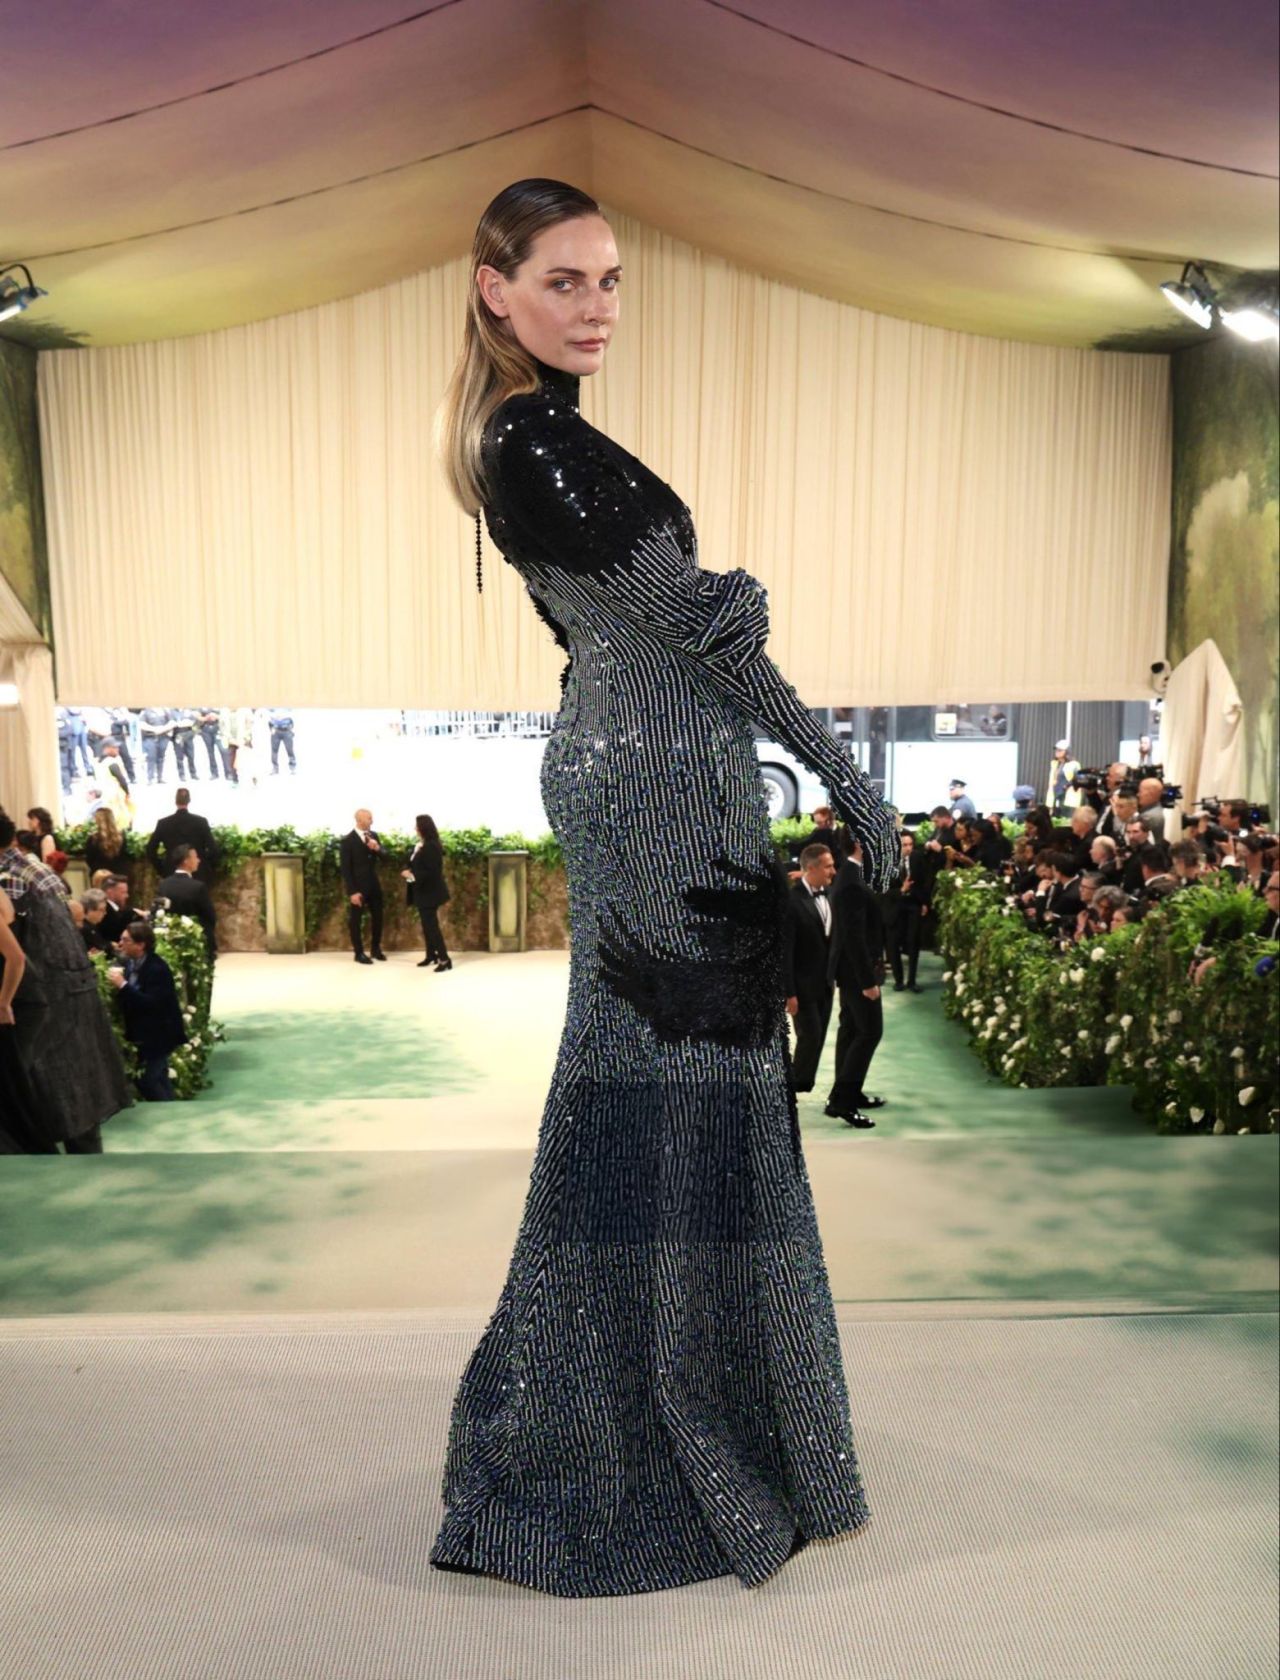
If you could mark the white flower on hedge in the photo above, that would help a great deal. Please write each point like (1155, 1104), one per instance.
(1180, 1061)
(1219, 1126)
(1173, 1017)
(1237, 1055)
(1243, 1132)
(1126, 1021)
(1113, 1044)
(1197, 1115)
(1246, 1095)
(1171, 1108)
(947, 975)
(959, 988)
(1150, 1062)
(1083, 1033)
(1077, 975)
(1097, 954)
(1195, 1061)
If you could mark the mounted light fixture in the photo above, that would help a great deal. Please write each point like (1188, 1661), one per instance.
(1192, 295)
(1250, 315)
(13, 297)
(1257, 323)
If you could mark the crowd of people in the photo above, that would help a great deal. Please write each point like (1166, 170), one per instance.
(113, 747)
(1092, 856)
(61, 1071)
(1104, 859)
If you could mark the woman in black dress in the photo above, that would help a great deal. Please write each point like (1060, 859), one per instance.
(105, 846)
(659, 1396)
(427, 891)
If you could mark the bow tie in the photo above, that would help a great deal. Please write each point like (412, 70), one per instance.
(819, 892)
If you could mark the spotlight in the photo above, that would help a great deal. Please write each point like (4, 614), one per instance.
(1192, 295)
(13, 297)
(1257, 323)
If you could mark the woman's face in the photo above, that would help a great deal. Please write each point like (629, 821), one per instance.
(94, 916)
(562, 304)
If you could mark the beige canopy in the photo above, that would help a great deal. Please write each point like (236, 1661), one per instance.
(1029, 171)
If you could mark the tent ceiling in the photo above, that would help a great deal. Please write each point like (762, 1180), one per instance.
(1028, 171)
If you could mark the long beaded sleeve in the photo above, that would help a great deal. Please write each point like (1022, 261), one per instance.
(568, 501)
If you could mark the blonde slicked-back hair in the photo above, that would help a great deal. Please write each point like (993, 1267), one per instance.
(493, 364)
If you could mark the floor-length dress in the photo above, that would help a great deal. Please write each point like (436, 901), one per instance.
(658, 1397)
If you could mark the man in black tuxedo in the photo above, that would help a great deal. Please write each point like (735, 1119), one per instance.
(359, 856)
(905, 905)
(806, 959)
(188, 896)
(182, 827)
(856, 965)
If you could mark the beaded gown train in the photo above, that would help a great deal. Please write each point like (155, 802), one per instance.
(658, 1397)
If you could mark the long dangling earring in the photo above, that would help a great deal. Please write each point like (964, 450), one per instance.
(479, 564)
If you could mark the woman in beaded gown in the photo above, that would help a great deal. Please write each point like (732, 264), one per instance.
(658, 1397)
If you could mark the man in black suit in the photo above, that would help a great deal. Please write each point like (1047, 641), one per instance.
(1062, 903)
(148, 999)
(1136, 837)
(188, 895)
(856, 965)
(359, 856)
(806, 959)
(119, 911)
(825, 833)
(182, 827)
(905, 905)
(1084, 825)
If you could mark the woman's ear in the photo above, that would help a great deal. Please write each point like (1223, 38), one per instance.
(491, 286)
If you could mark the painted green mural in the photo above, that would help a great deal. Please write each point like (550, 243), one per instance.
(23, 555)
(1224, 576)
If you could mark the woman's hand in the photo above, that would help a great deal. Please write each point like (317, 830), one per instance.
(6, 1015)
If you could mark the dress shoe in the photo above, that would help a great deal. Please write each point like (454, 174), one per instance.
(860, 1120)
(361, 958)
(898, 986)
(914, 988)
(426, 962)
(445, 966)
(871, 1102)
(379, 956)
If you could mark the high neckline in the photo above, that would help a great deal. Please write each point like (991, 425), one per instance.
(556, 379)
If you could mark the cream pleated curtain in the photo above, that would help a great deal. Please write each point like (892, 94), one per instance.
(256, 515)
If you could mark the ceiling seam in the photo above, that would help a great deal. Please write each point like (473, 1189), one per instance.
(232, 82)
(632, 122)
(982, 104)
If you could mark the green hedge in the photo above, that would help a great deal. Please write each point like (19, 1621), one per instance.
(1123, 1009)
(180, 941)
(319, 849)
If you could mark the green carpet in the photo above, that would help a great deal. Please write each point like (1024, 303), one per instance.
(367, 1140)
